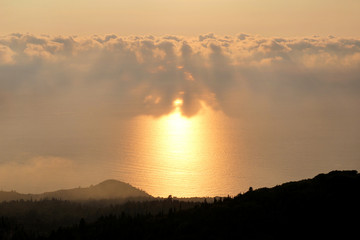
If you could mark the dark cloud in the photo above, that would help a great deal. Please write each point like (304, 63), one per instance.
(175, 38)
(242, 36)
(206, 36)
(104, 39)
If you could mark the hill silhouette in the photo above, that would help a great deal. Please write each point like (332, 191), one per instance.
(109, 189)
(324, 207)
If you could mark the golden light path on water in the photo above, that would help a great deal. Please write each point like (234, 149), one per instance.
(211, 154)
(181, 156)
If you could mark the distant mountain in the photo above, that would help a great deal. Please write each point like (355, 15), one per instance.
(12, 195)
(109, 189)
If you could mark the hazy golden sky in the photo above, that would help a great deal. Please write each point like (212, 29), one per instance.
(182, 17)
(75, 75)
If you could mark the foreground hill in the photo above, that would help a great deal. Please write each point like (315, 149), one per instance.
(109, 189)
(325, 207)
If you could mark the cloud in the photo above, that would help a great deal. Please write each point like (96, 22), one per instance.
(128, 71)
(6, 55)
(242, 36)
(207, 36)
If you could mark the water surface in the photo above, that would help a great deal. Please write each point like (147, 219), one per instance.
(215, 155)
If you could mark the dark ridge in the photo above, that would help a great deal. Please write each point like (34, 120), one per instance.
(325, 207)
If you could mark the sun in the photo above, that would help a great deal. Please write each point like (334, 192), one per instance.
(178, 102)
(175, 118)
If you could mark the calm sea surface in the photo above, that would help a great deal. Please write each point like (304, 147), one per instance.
(214, 155)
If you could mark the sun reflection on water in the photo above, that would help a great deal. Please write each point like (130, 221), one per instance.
(177, 150)
(178, 155)
(172, 153)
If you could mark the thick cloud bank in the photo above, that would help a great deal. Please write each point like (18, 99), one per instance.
(145, 74)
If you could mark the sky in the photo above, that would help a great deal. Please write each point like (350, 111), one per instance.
(71, 71)
(181, 17)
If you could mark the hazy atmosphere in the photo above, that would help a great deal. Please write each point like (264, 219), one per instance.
(177, 97)
(183, 17)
